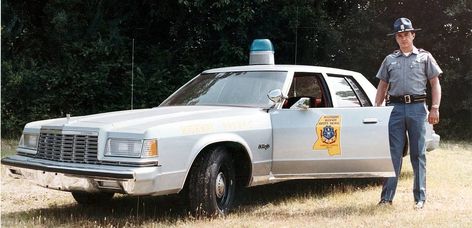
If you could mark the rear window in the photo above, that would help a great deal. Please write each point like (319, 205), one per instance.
(347, 92)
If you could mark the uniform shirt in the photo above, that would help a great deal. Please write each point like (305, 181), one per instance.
(408, 75)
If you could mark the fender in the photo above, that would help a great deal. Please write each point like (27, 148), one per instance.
(207, 140)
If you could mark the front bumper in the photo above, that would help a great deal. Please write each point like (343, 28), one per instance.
(84, 177)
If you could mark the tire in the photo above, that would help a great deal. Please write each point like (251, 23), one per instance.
(211, 189)
(96, 198)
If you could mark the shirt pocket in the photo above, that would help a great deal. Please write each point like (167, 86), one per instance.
(418, 66)
(393, 66)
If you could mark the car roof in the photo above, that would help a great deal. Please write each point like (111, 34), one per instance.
(295, 68)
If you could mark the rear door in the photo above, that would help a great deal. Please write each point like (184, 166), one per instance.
(350, 140)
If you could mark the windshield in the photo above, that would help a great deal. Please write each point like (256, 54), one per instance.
(229, 88)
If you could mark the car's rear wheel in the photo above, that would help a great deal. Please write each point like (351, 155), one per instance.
(212, 183)
(96, 198)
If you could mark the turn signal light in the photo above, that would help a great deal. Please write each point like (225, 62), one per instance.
(150, 148)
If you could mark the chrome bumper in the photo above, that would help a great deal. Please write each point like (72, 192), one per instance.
(84, 177)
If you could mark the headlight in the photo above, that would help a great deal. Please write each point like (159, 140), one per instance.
(123, 148)
(131, 148)
(29, 141)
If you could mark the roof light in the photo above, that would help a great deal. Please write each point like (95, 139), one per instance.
(261, 52)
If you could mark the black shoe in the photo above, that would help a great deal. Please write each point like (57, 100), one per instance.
(419, 204)
(384, 202)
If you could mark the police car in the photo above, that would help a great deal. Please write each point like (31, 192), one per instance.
(226, 128)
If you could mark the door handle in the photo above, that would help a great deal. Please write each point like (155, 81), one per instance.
(370, 121)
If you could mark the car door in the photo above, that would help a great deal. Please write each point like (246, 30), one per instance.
(323, 141)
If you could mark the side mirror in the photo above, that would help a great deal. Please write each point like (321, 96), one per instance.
(276, 96)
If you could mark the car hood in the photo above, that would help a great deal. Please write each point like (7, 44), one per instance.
(141, 119)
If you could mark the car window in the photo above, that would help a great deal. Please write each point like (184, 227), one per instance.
(305, 86)
(248, 88)
(361, 95)
(343, 92)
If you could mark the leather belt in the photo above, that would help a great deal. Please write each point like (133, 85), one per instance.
(406, 99)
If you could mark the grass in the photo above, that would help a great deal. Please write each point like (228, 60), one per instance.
(325, 203)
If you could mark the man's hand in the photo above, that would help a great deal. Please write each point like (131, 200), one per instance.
(433, 117)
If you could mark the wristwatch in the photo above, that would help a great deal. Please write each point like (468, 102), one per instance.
(435, 106)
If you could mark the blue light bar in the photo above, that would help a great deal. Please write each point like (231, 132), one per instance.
(261, 45)
(261, 52)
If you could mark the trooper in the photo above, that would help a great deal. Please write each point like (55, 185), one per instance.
(403, 77)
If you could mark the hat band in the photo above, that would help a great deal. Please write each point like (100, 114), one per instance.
(404, 30)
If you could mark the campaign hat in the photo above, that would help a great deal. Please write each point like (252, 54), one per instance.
(402, 25)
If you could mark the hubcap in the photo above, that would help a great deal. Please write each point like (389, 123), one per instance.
(220, 185)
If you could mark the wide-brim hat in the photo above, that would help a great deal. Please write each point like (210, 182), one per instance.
(402, 25)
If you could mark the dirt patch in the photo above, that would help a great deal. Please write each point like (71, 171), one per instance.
(21, 195)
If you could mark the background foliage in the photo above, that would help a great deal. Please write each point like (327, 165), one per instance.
(74, 56)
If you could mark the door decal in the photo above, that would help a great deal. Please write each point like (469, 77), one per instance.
(328, 134)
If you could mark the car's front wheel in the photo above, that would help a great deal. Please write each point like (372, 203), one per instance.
(212, 183)
(96, 198)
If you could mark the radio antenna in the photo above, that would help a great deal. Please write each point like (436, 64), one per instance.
(132, 74)
(296, 37)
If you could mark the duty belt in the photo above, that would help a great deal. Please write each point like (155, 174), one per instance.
(406, 99)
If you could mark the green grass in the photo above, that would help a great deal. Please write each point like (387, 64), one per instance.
(307, 203)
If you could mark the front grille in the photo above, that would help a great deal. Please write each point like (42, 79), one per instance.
(54, 145)
(68, 148)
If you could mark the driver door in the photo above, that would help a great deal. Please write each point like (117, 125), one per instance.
(327, 142)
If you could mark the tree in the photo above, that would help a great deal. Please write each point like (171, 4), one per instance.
(71, 56)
